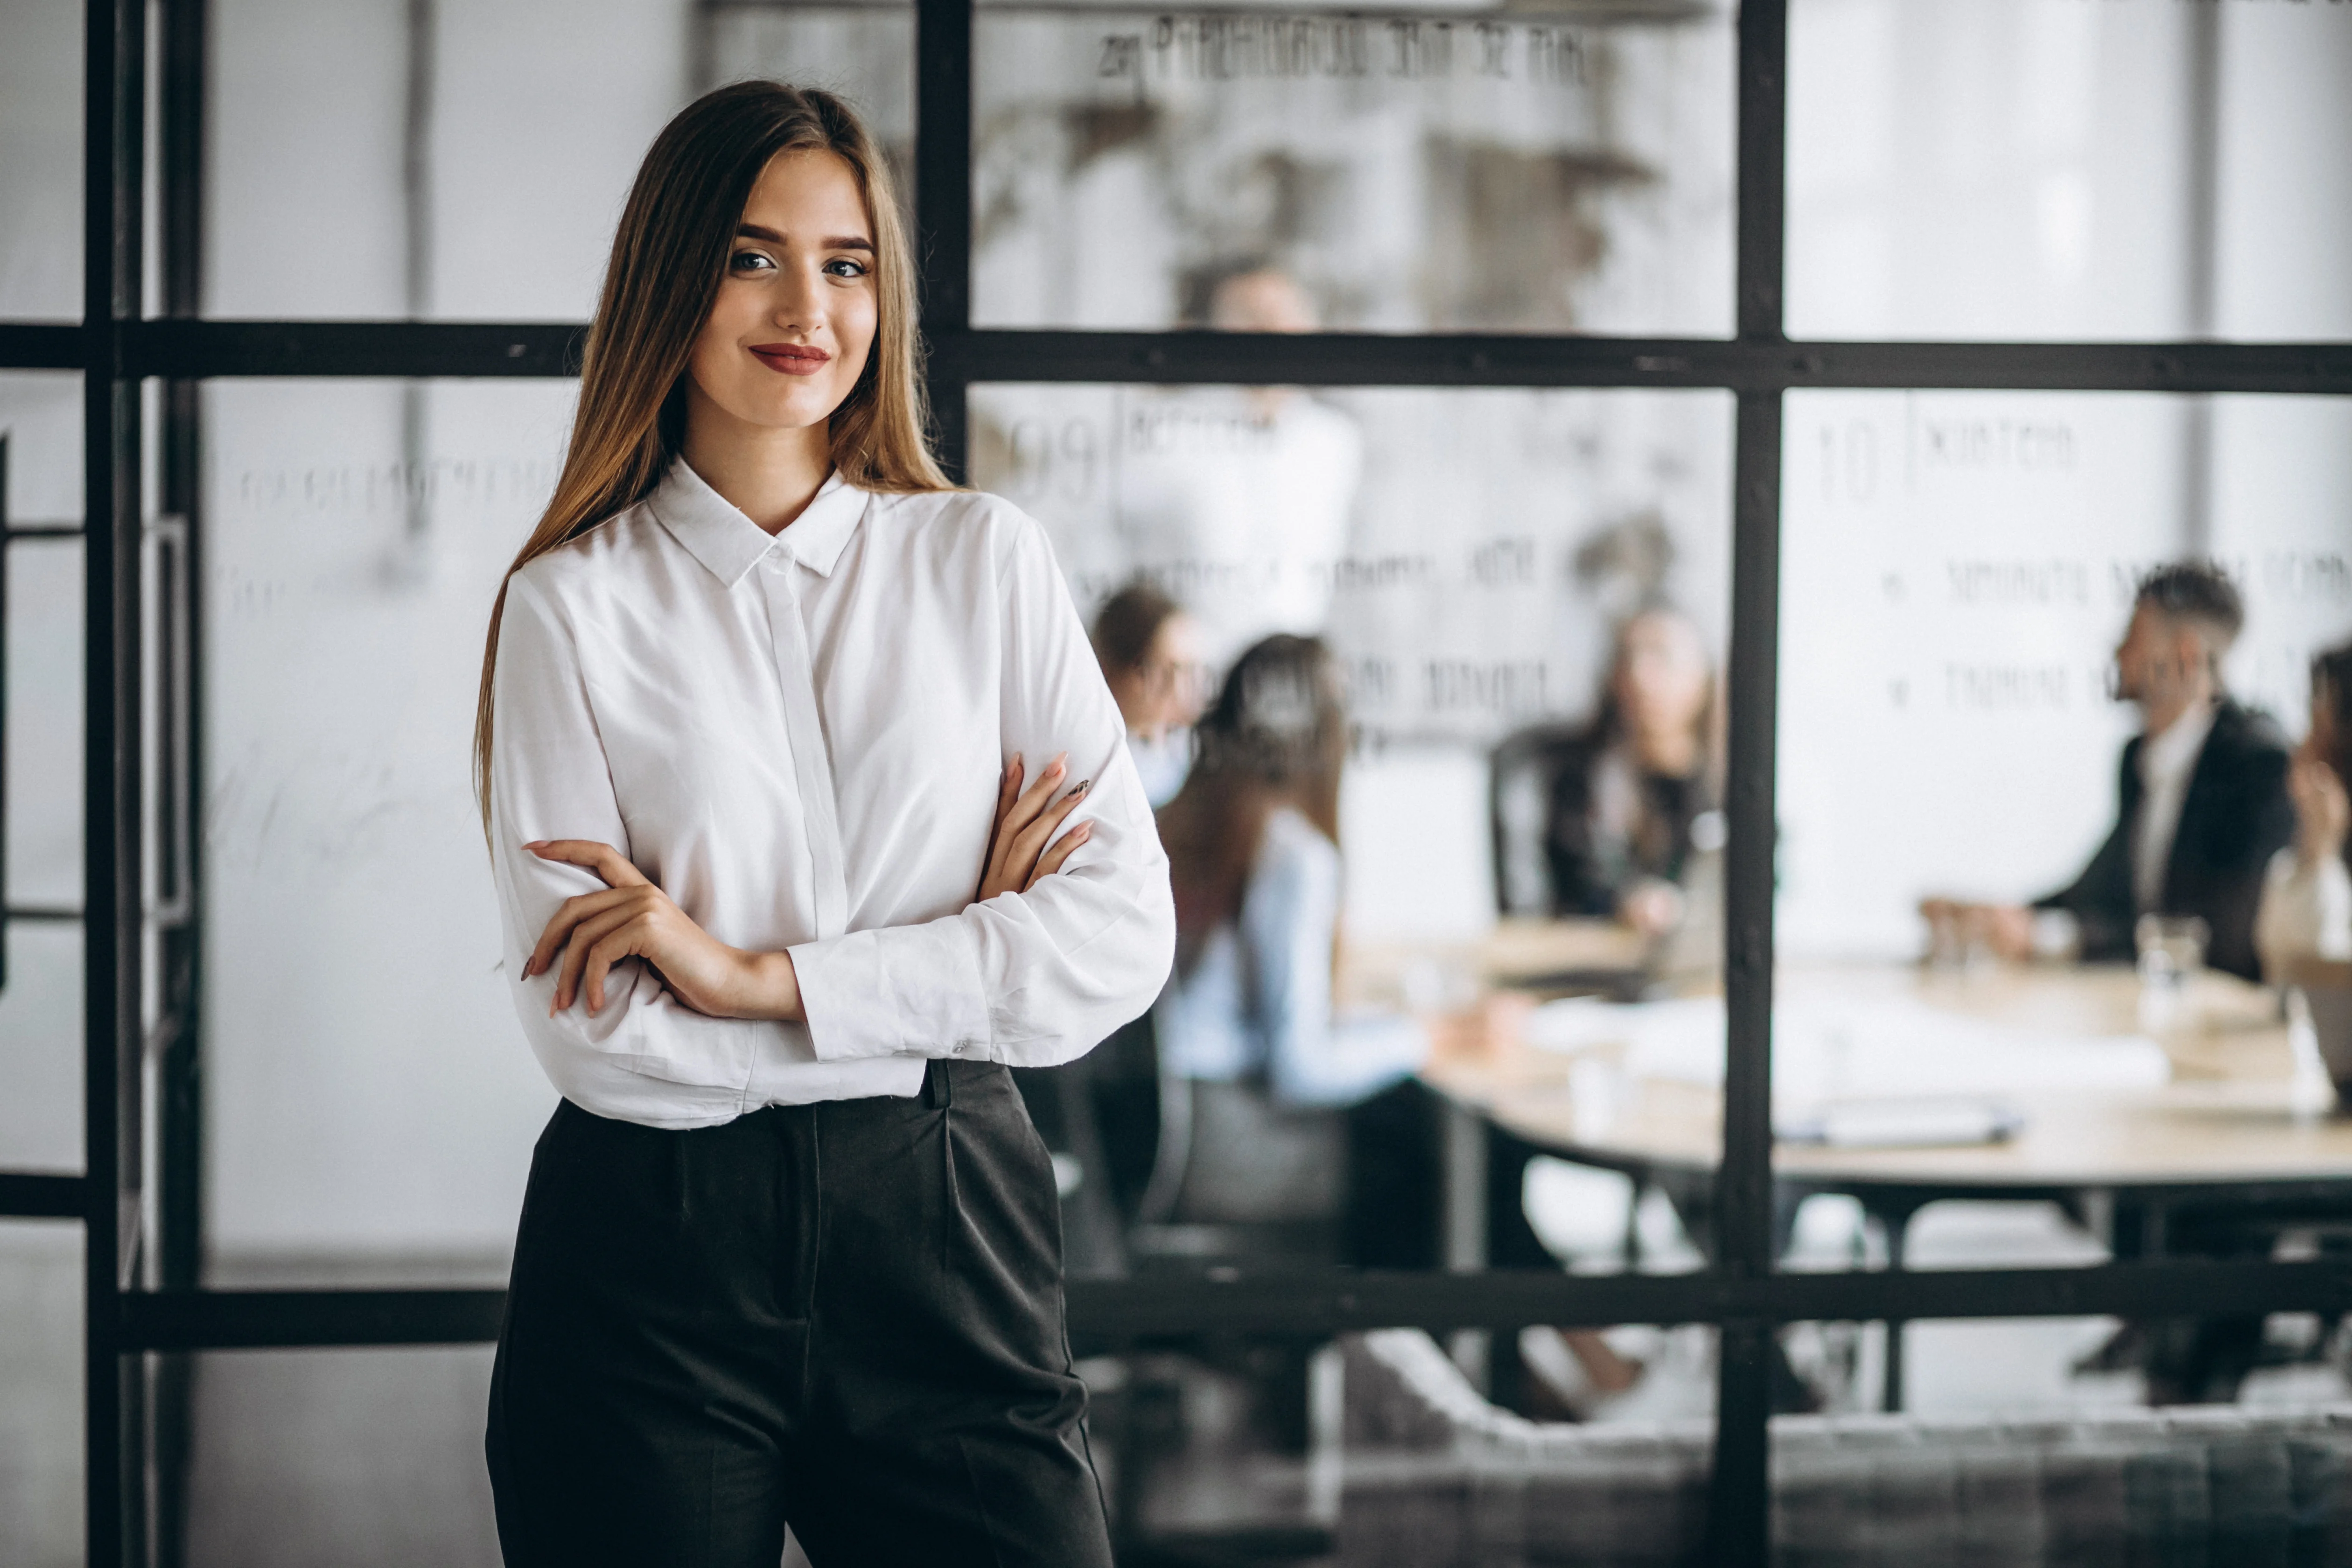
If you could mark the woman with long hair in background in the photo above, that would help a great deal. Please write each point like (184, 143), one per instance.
(777, 732)
(2307, 908)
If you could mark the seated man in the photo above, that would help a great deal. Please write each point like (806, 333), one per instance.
(2202, 800)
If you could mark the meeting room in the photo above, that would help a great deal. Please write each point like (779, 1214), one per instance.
(1596, 807)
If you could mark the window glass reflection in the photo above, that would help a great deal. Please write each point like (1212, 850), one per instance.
(41, 1009)
(41, 1508)
(40, 160)
(2049, 665)
(1457, 170)
(2045, 169)
(1398, 1032)
(369, 1108)
(467, 162)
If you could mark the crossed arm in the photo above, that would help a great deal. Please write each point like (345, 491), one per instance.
(632, 917)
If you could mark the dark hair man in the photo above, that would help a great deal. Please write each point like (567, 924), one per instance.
(2203, 801)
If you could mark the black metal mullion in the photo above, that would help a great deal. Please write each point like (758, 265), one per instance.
(180, 349)
(943, 211)
(1320, 1303)
(182, 154)
(114, 94)
(1739, 1491)
(179, 1109)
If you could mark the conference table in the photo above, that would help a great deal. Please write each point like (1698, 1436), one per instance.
(2128, 1120)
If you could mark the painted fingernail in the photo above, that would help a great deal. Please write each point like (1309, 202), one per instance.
(1081, 786)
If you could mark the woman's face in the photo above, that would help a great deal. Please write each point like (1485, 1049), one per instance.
(793, 323)
(1166, 690)
(1661, 674)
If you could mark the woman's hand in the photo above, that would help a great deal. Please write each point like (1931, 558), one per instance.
(1651, 906)
(1018, 855)
(1484, 1034)
(634, 919)
(2322, 813)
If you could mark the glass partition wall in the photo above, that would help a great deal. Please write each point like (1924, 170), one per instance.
(1532, 266)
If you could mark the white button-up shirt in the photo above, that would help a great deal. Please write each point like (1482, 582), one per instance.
(2166, 764)
(799, 738)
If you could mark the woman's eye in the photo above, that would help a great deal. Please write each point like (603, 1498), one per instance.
(842, 267)
(750, 261)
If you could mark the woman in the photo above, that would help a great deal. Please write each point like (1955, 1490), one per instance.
(1248, 1024)
(1151, 654)
(1253, 844)
(1298, 1111)
(780, 909)
(1632, 797)
(2307, 908)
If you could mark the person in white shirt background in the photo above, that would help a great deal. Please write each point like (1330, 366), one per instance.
(1237, 500)
(2306, 909)
(1149, 649)
(776, 726)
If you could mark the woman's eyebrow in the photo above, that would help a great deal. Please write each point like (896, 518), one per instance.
(839, 242)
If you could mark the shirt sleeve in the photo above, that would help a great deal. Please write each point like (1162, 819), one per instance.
(645, 1056)
(1289, 925)
(1027, 979)
(2306, 912)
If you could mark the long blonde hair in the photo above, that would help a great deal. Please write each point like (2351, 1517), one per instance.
(668, 255)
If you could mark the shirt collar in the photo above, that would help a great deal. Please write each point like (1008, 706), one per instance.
(2174, 752)
(730, 544)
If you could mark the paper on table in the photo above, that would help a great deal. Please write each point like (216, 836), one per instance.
(1903, 1123)
(1866, 1048)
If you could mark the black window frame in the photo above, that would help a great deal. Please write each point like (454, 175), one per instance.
(144, 1308)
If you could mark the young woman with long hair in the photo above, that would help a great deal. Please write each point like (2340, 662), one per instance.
(1285, 1109)
(1627, 794)
(2307, 908)
(777, 732)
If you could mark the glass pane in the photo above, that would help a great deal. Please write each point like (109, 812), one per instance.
(40, 1395)
(2087, 1051)
(40, 1046)
(41, 160)
(2048, 169)
(1458, 170)
(40, 1010)
(371, 1457)
(1470, 557)
(467, 162)
(370, 1103)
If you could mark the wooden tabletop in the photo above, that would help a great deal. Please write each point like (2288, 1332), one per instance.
(2229, 1115)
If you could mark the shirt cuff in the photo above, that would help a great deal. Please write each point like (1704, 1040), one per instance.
(899, 991)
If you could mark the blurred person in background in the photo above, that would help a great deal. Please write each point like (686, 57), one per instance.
(1238, 500)
(2203, 801)
(2306, 911)
(1149, 650)
(1299, 1110)
(1248, 1020)
(1632, 797)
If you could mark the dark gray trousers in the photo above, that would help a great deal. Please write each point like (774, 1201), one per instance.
(846, 1317)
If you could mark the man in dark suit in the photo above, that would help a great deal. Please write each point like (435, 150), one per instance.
(2202, 805)
(2202, 799)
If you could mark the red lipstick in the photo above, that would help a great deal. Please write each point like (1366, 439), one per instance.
(793, 359)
